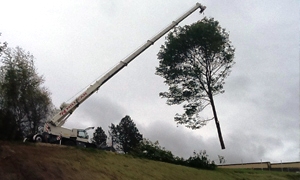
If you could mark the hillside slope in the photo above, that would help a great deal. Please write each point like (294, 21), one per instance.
(45, 161)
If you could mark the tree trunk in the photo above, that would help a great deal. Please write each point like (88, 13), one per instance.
(216, 120)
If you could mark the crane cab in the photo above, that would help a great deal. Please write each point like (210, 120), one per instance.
(80, 135)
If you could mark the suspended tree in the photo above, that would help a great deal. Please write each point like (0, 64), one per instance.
(194, 61)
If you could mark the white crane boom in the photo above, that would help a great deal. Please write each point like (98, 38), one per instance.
(60, 118)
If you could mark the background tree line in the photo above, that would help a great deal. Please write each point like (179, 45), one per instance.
(154, 151)
(126, 138)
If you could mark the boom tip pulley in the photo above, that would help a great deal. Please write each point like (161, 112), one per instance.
(202, 8)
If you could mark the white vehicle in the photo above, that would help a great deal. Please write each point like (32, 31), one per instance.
(53, 132)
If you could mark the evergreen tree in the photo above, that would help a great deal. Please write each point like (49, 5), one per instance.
(125, 135)
(99, 137)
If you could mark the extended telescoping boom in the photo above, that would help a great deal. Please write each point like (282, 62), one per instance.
(66, 109)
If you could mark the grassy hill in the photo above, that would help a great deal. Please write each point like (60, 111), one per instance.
(46, 161)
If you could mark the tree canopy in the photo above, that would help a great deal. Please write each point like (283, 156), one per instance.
(194, 61)
(24, 102)
(125, 135)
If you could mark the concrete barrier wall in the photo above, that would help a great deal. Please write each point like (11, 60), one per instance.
(286, 165)
(264, 165)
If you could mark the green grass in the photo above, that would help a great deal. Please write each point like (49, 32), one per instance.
(40, 161)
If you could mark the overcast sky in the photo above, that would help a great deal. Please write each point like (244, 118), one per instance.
(75, 42)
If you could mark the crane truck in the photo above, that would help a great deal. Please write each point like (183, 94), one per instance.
(53, 131)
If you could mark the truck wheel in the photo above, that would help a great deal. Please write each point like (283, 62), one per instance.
(38, 138)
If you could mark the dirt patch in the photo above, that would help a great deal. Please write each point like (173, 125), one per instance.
(25, 162)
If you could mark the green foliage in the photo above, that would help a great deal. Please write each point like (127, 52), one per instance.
(125, 135)
(154, 151)
(194, 62)
(200, 160)
(99, 137)
(24, 103)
